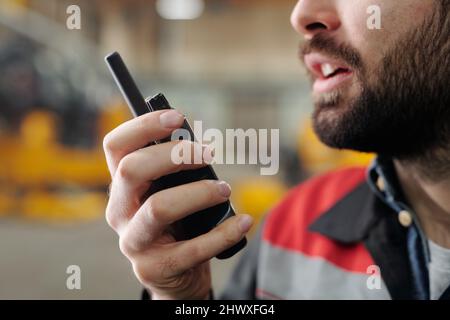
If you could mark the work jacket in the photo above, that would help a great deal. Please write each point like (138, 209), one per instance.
(341, 235)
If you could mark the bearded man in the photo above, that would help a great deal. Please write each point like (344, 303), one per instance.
(381, 232)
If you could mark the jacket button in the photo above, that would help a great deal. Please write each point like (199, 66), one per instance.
(380, 184)
(405, 218)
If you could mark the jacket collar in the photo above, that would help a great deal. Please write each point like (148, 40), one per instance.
(349, 220)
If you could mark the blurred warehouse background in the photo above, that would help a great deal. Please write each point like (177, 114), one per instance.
(230, 63)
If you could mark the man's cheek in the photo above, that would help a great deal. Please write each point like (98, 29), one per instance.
(368, 42)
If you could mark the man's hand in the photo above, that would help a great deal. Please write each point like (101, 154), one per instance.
(169, 269)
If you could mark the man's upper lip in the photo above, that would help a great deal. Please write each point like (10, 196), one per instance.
(315, 60)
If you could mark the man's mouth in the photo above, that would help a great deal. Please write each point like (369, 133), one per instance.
(328, 73)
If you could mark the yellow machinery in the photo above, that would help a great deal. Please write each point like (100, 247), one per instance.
(256, 196)
(43, 179)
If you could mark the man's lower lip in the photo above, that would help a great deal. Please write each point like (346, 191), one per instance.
(329, 84)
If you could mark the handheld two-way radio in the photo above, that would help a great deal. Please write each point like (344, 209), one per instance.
(197, 223)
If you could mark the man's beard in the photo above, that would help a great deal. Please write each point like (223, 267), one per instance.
(405, 114)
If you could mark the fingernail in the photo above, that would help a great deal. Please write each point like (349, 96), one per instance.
(224, 189)
(245, 223)
(171, 119)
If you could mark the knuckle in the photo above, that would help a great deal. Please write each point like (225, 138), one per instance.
(206, 192)
(108, 143)
(125, 246)
(145, 121)
(229, 235)
(210, 188)
(156, 208)
(126, 166)
(111, 218)
(143, 272)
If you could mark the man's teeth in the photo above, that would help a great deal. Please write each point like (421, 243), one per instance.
(327, 69)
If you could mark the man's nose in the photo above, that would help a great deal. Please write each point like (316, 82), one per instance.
(310, 17)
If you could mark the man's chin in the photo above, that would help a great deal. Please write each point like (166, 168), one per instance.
(333, 121)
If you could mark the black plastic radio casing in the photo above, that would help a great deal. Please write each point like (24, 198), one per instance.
(202, 221)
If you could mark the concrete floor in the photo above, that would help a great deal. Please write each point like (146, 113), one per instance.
(34, 258)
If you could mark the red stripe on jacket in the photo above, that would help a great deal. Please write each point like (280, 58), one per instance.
(287, 224)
